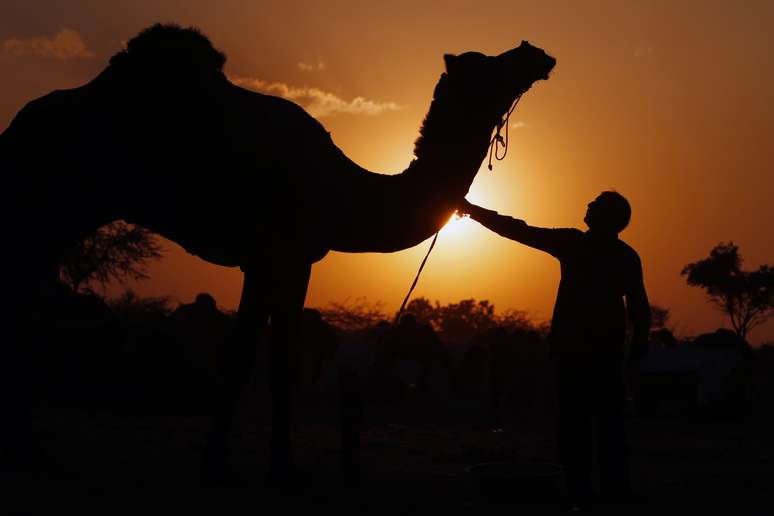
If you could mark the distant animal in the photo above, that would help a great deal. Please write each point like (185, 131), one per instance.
(415, 342)
(162, 139)
(319, 342)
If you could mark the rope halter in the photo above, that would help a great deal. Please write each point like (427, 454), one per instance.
(497, 139)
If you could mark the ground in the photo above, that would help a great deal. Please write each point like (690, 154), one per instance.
(414, 455)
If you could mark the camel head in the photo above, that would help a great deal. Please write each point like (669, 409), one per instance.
(492, 83)
(470, 100)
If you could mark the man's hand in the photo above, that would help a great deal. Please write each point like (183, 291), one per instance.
(632, 378)
(466, 208)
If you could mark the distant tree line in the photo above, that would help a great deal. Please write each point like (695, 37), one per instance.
(453, 322)
(122, 252)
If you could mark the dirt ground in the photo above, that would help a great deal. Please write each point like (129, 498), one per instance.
(414, 456)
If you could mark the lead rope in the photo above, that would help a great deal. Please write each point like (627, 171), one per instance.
(416, 278)
(494, 146)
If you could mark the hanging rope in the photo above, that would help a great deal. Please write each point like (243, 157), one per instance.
(497, 139)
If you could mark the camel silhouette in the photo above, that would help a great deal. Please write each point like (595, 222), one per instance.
(162, 139)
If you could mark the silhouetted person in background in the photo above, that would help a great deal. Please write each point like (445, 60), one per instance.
(201, 330)
(588, 334)
(417, 342)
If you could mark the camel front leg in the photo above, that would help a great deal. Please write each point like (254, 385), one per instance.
(292, 280)
(238, 361)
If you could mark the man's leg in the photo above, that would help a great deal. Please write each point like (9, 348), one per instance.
(613, 456)
(574, 431)
(612, 445)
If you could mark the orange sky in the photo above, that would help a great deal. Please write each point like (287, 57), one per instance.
(672, 105)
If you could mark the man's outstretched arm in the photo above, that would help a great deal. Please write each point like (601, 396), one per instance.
(548, 240)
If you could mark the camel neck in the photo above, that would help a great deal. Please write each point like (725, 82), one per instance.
(452, 143)
(397, 212)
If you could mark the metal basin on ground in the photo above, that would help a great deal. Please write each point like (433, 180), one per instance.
(516, 482)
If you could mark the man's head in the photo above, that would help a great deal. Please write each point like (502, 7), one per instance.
(609, 213)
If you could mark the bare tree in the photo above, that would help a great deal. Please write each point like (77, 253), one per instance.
(353, 315)
(456, 322)
(133, 309)
(425, 311)
(520, 320)
(747, 297)
(659, 316)
(118, 251)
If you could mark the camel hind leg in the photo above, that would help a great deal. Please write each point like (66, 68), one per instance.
(16, 387)
(28, 284)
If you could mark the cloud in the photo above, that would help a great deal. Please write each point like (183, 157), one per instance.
(317, 102)
(319, 66)
(519, 125)
(66, 44)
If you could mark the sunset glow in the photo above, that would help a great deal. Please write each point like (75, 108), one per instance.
(458, 227)
(671, 104)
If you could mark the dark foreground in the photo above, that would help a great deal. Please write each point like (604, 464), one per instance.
(414, 456)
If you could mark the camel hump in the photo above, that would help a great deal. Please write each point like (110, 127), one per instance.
(163, 46)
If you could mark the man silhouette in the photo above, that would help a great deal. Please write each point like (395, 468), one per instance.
(588, 333)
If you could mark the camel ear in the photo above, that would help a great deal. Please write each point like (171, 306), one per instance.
(450, 60)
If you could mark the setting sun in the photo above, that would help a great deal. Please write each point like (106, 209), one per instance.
(457, 226)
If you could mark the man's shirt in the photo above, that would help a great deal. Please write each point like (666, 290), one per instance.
(598, 271)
